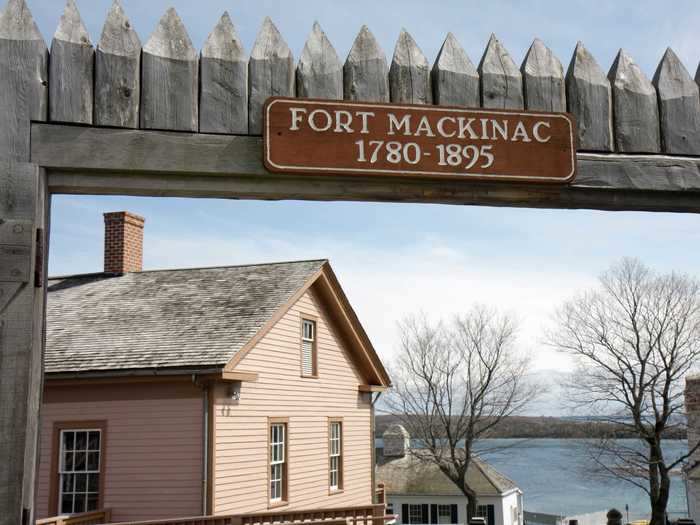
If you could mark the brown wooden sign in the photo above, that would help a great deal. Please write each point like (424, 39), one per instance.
(315, 136)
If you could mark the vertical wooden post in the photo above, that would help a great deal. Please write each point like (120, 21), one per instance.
(589, 98)
(270, 73)
(319, 72)
(170, 78)
(454, 77)
(365, 73)
(71, 70)
(679, 106)
(223, 94)
(118, 72)
(635, 107)
(409, 74)
(23, 225)
(501, 80)
(543, 79)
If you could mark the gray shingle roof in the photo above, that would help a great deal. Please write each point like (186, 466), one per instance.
(414, 475)
(192, 318)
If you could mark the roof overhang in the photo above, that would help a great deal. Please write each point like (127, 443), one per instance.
(148, 375)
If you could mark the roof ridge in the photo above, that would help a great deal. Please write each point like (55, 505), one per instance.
(95, 274)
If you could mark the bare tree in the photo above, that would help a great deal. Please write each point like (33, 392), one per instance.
(453, 383)
(634, 338)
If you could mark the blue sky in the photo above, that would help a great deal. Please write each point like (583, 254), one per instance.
(394, 259)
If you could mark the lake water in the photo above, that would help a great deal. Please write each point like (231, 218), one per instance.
(552, 475)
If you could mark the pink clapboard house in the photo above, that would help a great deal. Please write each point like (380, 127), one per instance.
(203, 391)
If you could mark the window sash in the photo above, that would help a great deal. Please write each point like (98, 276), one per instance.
(277, 467)
(415, 513)
(79, 470)
(335, 452)
(308, 332)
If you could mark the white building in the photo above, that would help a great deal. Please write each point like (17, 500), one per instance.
(420, 494)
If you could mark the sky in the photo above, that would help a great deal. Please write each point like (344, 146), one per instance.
(398, 259)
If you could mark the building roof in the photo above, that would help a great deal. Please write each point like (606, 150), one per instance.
(415, 475)
(184, 319)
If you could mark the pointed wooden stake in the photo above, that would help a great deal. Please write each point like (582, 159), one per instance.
(118, 72)
(679, 106)
(635, 108)
(590, 100)
(365, 73)
(223, 103)
(71, 70)
(170, 78)
(319, 72)
(543, 79)
(270, 73)
(24, 60)
(409, 74)
(454, 78)
(501, 80)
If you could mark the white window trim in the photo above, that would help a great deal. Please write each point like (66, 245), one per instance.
(61, 464)
(309, 337)
(335, 452)
(278, 448)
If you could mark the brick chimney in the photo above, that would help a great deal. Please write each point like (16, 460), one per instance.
(123, 242)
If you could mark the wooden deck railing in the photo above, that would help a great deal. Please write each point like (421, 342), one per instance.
(95, 517)
(363, 515)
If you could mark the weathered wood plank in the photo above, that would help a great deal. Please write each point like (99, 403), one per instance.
(231, 167)
(319, 72)
(21, 343)
(679, 106)
(589, 99)
(409, 73)
(454, 78)
(635, 108)
(223, 102)
(169, 78)
(24, 60)
(501, 80)
(543, 79)
(270, 73)
(118, 72)
(71, 70)
(365, 72)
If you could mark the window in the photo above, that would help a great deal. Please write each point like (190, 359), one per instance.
(79, 470)
(278, 462)
(415, 514)
(444, 514)
(308, 348)
(390, 508)
(487, 512)
(335, 449)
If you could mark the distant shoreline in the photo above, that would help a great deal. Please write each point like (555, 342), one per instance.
(540, 427)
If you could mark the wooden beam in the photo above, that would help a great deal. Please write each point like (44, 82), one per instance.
(239, 375)
(85, 160)
(371, 388)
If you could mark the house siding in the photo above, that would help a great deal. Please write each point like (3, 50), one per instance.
(153, 446)
(241, 427)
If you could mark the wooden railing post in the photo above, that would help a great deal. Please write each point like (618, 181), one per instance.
(23, 214)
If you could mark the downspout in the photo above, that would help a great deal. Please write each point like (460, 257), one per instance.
(205, 455)
(373, 401)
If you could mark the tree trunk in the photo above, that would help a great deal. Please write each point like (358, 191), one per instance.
(471, 504)
(660, 486)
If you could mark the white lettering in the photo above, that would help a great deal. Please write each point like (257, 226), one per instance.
(466, 126)
(520, 133)
(424, 127)
(340, 125)
(364, 115)
(536, 131)
(296, 118)
(441, 127)
(395, 125)
(312, 120)
(501, 128)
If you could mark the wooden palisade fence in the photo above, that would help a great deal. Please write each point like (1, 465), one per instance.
(100, 119)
